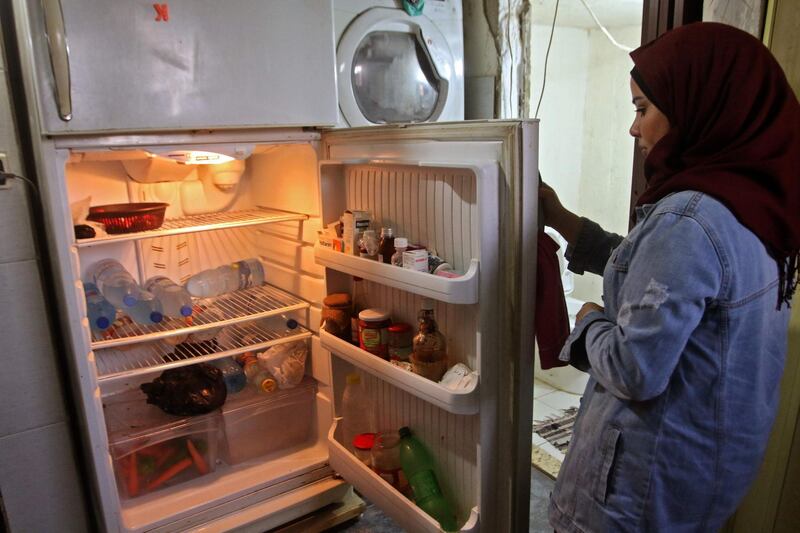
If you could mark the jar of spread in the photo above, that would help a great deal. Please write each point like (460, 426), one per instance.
(401, 338)
(386, 459)
(336, 315)
(373, 326)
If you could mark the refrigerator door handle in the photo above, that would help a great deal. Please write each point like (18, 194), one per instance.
(59, 56)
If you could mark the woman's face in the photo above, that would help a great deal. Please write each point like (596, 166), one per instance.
(650, 124)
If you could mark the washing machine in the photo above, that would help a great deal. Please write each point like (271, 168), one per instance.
(393, 67)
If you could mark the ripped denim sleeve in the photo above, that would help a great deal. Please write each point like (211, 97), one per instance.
(672, 271)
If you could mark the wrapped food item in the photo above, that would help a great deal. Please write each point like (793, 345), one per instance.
(286, 362)
(187, 390)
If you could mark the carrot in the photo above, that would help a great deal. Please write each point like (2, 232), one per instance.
(169, 473)
(199, 462)
(133, 477)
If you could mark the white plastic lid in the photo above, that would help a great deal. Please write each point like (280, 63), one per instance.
(373, 315)
(401, 242)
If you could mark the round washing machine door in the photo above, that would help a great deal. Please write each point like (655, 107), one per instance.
(392, 68)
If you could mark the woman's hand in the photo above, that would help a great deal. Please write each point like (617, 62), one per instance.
(555, 215)
(587, 308)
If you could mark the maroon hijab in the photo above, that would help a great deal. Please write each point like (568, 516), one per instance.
(734, 132)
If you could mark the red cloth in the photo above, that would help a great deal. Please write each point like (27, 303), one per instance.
(734, 131)
(552, 320)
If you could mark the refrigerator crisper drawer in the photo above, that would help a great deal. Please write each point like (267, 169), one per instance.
(151, 450)
(257, 424)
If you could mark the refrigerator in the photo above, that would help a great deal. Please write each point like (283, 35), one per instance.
(121, 100)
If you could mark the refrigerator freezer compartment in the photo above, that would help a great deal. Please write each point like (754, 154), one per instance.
(116, 363)
(456, 402)
(259, 424)
(460, 290)
(152, 450)
(232, 308)
(383, 495)
(195, 223)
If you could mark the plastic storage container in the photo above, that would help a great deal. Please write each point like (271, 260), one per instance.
(257, 424)
(151, 450)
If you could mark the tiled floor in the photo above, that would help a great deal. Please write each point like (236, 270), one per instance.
(549, 402)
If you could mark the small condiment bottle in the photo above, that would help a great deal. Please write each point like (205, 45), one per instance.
(362, 445)
(386, 248)
(373, 325)
(400, 246)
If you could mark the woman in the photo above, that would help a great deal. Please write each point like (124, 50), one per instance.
(686, 355)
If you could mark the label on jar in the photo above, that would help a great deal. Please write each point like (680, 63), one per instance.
(371, 339)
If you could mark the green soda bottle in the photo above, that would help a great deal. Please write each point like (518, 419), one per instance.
(418, 465)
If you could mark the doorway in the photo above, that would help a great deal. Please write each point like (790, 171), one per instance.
(586, 155)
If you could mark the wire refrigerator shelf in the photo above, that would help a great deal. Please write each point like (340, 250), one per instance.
(115, 363)
(195, 223)
(231, 308)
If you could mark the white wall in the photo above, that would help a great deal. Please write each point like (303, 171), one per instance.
(605, 184)
(562, 112)
(586, 153)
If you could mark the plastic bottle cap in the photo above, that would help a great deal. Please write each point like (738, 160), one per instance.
(353, 379)
(156, 317)
(291, 323)
(373, 315)
(401, 242)
(268, 385)
(404, 432)
(129, 300)
(364, 441)
(186, 310)
(399, 327)
(102, 322)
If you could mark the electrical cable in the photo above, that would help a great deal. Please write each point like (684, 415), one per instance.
(546, 57)
(7, 175)
(605, 31)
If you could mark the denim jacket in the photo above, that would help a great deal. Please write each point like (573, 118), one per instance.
(685, 365)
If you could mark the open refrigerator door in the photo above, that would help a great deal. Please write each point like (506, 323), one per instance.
(467, 193)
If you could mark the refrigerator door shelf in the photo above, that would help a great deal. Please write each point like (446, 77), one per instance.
(460, 290)
(113, 364)
(456, 402)
(383, 495)
(236, 307)
(196, 223)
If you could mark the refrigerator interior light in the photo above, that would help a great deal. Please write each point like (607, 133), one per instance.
(203, 155)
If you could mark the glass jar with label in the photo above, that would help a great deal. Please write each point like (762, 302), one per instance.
(373, 326)
(401, 338)
(386, 459)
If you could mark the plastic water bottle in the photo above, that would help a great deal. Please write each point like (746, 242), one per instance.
(418, 467)
(114, 282)
(280, 324)
(227, 278)
(232, 373)
(99, 310)
(357, 411)
(146, 310)
(175, 301)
